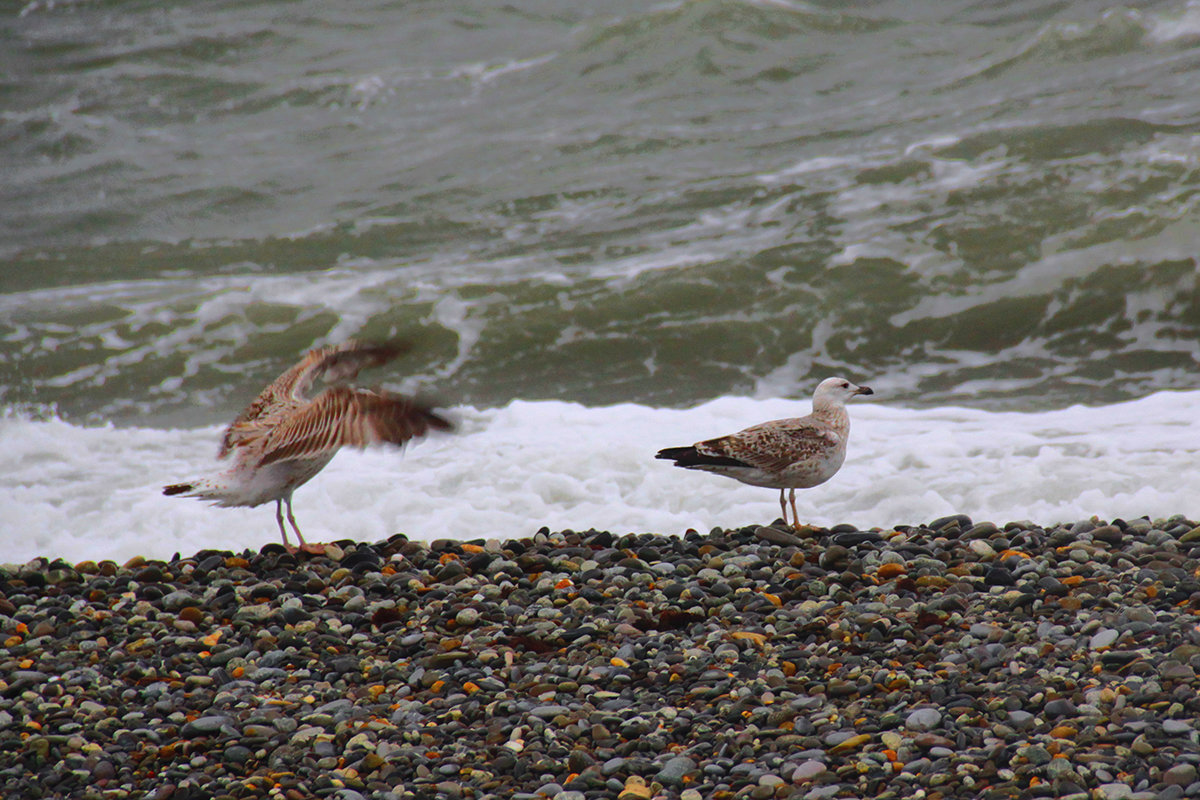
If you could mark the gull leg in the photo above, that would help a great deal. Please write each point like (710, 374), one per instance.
(782, 507)
(292, 521)
(279, 518)
(795, 514)
(305, 546)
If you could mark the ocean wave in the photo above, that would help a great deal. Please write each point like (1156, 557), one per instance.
(601, 202)
(1070, 41)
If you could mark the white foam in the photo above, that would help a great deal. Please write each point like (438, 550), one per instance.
(1176, 24)
(94, 492)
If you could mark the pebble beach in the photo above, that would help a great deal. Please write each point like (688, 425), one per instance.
(956, 658)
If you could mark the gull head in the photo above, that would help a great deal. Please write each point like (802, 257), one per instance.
(833, 392)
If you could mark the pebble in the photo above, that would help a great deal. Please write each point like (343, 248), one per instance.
(1180, 775)
(675, 770)
(1021, 719)
(923, 719)
(982, 549)
(948, 659)
(808, 770)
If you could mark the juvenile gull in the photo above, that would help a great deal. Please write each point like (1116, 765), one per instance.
(284, 438)
(782, 454)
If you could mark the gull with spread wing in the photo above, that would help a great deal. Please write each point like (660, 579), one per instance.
(285, 437)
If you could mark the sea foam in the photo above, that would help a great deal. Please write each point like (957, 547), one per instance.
(95, 492)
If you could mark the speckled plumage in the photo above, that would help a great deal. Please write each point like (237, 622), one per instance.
(784, 454)
(284, 437)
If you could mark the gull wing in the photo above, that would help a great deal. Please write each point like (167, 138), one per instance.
(345, 417)
(774, 446)
(334, 363)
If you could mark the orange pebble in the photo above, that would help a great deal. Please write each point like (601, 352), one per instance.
(758, 638)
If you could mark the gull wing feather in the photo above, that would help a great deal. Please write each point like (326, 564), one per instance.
(335, 363)
(345, 417)
(344, 362)
(774, 446)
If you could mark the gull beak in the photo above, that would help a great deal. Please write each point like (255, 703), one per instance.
(864, 390)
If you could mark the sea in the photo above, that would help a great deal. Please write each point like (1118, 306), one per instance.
(606, 227)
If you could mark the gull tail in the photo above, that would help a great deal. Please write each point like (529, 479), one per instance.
(219, 490)
(204, 488)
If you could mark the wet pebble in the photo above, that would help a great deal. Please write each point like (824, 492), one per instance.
(923, 719)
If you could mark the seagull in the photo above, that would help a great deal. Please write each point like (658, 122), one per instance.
(784, 454)
(285, 437)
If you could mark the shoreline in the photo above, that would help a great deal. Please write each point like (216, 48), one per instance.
(958, 659)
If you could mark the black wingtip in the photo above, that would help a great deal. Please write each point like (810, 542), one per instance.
(675, 453)
(424, 406)
(353, 355)
(177, 488)
(387, 350)
(689, 457)
(438, 422)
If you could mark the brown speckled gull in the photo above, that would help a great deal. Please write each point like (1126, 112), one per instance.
(284, 438)
(784, 454)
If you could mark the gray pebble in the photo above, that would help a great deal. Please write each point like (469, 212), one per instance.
(675, 770)
(807, 770)
(923, 719)
(1176, 726)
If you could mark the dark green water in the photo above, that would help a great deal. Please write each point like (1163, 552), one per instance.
(960, 203)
